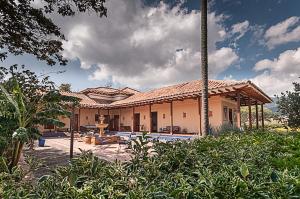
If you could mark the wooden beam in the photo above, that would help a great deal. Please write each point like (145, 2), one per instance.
(262, 117)
(150, 119)
(171, 117)
(120, 118)
(72, 119)
(199, 111)
(256, 113)
(78, 127)
(250, 114)
(238, 110)
(132, 130)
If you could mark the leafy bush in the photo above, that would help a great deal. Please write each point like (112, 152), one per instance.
(249, 165)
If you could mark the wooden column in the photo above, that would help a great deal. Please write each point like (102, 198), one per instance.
(256, 114)
(250, 114)
(78, 127)
(72, 119)
(120, 119)
(262, 117)
(150, 119)
(132, 130)
(199, 110)
(171, 117)
(108, 116)
(238, 110)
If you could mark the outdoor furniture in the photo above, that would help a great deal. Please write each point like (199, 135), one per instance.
(88, 128)
(125, 128)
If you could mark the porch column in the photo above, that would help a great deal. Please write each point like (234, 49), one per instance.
(72, 119)
(150, 119)
(120, 119)
(238, 110)
(250, 114)
(199, 111)
(171, 117)
(256, 113)
(108, 116)
(78, 127)
(262, 116)
(132, 130)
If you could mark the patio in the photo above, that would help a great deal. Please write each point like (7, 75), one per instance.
(56, 153)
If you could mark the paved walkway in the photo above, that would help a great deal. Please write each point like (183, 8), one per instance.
(56, 153)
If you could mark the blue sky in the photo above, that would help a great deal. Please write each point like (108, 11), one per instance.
(147, 44)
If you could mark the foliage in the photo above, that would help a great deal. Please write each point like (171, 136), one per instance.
(65, 87)
(26, 27)
(226, 128)
(268, 114)
(289, 106)
(252, 165)
(28, 101)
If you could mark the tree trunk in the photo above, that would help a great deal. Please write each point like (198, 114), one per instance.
(204, 67)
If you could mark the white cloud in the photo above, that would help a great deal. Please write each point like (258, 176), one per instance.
(277, 75)
(141, 46)
(240, 29)
(283, 32)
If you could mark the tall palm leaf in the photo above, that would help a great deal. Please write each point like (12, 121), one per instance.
(204, 67)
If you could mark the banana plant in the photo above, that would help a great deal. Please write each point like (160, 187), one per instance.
(41, 106)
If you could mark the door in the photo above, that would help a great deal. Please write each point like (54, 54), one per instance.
(154, 121)
(76, 119)
(136, 127)
(230, 116)
(116, 122)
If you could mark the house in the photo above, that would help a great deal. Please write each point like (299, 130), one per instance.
(171, 109)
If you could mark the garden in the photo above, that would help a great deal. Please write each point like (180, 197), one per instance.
(258, 164)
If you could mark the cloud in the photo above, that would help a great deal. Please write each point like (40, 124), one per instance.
(144, 46)
(240, 29)
(283, 32)
(278, 74)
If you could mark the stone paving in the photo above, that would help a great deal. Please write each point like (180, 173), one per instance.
(56, 153)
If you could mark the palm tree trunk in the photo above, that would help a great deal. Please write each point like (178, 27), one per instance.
(204, 67)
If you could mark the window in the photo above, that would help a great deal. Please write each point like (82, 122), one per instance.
(184, 115)
(48, 126)
(164, 116)
(225, 113)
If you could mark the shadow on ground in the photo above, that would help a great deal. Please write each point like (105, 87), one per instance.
(50, 159)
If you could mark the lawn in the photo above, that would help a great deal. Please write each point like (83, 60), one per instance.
(248, 165)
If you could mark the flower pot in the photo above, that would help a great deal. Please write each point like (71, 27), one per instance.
(42, 142)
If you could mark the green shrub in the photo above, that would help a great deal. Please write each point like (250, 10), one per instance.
(248, 165)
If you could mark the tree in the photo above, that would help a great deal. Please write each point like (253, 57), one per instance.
(268, 114)
(27, 102)
(65, 87)
(289, 106)
(204, 67)
(25, 28)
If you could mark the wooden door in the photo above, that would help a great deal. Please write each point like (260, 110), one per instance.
(76, 120)
(116, 122)
(230, 116)
(154, 121)
(136, 127)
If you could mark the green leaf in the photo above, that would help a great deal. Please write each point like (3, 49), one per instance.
(244, 170)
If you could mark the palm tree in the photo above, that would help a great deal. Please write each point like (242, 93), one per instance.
(204, 67)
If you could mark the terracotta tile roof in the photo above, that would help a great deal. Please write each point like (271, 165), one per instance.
(178, 91)
(108, 91)
(85, 101)
(192, 88)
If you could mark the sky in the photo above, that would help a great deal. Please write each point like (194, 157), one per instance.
(147, 44)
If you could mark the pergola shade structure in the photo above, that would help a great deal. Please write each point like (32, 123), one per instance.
(172, 107)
